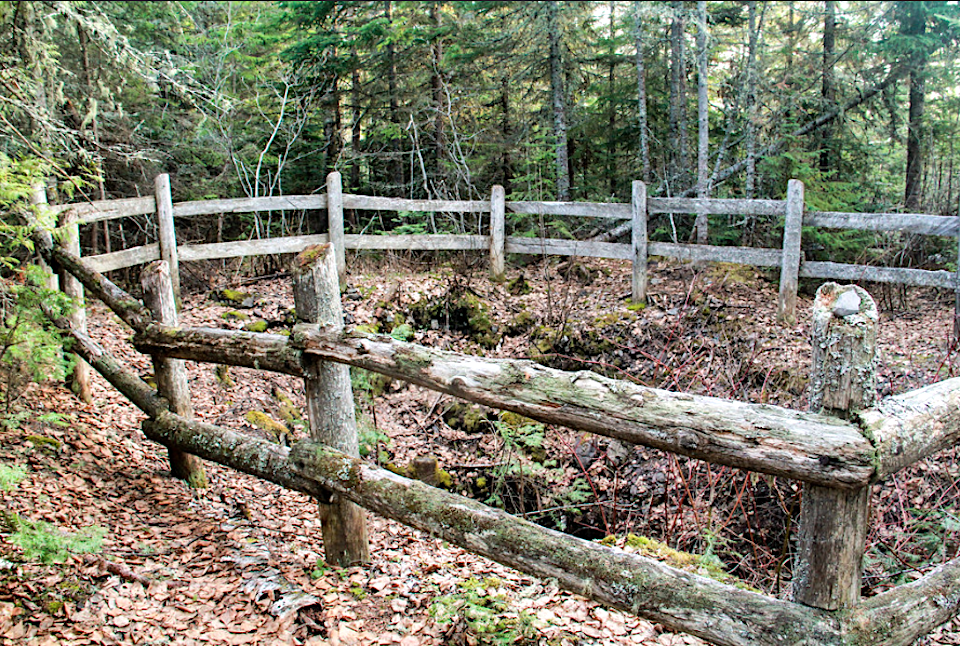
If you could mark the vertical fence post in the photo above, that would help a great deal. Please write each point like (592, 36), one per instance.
(330, 407)
(956, 287)
(38, 197)
(638, 209)
(498, 214)
(171, 374)
(335, 223)
(166, 232)
(80, 383)
(833, 522)
(790, 260)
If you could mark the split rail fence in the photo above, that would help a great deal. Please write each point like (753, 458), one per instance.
(837, 457)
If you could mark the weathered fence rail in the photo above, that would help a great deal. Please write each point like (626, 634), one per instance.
(837, 458)
(789, 257)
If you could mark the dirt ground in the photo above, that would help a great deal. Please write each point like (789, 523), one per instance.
(241, 561)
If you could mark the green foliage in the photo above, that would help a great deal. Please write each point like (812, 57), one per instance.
(487, 613)
(45, 543)
(10, 476)
(30, 347)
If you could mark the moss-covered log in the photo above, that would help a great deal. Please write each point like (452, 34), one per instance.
(768, 439)
(909, 427)
(128, 308)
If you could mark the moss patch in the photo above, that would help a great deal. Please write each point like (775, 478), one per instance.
(459, 310)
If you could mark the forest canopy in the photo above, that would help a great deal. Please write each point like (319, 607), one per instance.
(552, 100)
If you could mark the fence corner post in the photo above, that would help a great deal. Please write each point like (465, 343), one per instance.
(171, 374)
(638, 210)
(335, 223)
(833, 522)
(329, 396)
(790, 260)
(498, 209)
(166, 231)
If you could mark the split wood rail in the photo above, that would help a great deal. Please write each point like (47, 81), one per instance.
(835, 457)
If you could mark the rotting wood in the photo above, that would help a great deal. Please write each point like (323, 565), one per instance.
(909, 427)
(757, 437)
(833, 523)
(251, 204)
(329, 397)
(129, 309)
(863, 273)
(899, 616)
(171, 373)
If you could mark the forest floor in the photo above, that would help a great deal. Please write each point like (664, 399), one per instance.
(241, 561)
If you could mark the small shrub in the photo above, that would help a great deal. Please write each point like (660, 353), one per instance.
(486, 613)
(10, 476)
(45, 543)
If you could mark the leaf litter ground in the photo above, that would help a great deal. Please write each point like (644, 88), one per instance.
(241, 562)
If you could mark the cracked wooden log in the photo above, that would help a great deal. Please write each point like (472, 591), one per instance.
(758, 437)
(834, 523)
(329, 398)
(160, 297)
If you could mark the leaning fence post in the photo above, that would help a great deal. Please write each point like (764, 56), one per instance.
(171, 374)
(80, 383)
(329, 395)
(790, 260)
(833, 522)
(335, 223)
(498, 209)
(638, 209)
(38, 197)
(166, 232)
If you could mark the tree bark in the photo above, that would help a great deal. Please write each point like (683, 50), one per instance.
(641, 93)
(833, 523)
(558, 101)
(329, 396)
(678, 96)
(171, 374)
(828, 86)
(703, 121)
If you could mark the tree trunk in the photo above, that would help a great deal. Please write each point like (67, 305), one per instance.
(611, 106)
(559, 104)
(703, 120)
(750, 143)
(678, 98)
(641, 94)
(395, 165)
(828, 87)
(355, 133)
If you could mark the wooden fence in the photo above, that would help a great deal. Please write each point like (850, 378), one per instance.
(789, 258)
(836, 457)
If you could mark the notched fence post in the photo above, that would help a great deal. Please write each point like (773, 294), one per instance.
(498, 207)
(171, 374)
(329, 395)
(834, 522)
(790, 260)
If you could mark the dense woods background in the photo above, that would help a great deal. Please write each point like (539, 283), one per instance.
(553, 100)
